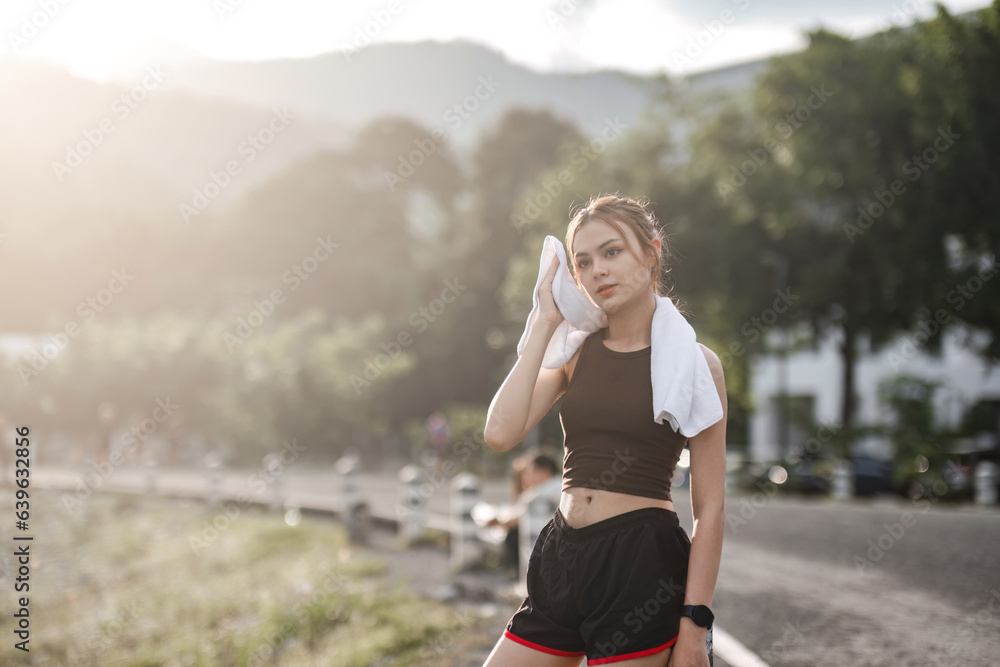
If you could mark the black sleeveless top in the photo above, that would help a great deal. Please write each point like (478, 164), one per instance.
(610, 438)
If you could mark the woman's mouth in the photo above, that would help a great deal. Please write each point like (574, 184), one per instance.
(607, 291)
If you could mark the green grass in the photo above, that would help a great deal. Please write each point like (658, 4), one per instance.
(125, 582)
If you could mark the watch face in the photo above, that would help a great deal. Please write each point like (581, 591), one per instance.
(701, 615)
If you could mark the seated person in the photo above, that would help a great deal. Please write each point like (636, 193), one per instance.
(540, 474)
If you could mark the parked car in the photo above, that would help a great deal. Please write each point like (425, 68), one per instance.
(815, 476)
(811, 476)
(759, 475)
(872, 476)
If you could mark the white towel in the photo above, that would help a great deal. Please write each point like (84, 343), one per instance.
(684, 391)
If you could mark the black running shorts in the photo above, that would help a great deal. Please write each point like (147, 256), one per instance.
(612, 590)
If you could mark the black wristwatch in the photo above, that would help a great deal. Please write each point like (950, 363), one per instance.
(699, 613)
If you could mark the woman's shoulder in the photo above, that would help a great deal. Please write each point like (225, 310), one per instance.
(714, 364)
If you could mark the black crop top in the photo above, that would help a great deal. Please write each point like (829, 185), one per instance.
(610, 438)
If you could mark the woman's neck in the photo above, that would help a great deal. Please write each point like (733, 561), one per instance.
(632, 328)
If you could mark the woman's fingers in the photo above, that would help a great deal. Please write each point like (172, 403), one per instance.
(549, 310)
(550, 276)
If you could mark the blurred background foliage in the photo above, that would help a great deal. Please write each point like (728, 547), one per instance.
(421, 303)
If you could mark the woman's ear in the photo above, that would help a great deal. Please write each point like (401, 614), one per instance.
(654, 257)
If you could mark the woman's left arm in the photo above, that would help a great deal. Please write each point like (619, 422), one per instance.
(708, 492)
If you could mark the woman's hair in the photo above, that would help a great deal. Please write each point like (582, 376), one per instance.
(617, 210)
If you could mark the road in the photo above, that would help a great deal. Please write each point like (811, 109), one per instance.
(800, 583)
(825, 584)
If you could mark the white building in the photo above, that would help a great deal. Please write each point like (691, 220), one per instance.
(813, 381)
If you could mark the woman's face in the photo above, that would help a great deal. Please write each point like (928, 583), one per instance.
(602, 259)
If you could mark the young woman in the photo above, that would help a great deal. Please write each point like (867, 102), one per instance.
(613, 577)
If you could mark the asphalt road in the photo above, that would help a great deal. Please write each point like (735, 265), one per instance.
(807, 583)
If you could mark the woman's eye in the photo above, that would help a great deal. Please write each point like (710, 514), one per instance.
(583, 263)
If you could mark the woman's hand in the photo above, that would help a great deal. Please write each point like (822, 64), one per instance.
(690, 650)
(547, 309)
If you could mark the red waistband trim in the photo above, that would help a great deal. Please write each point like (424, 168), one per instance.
(629, 656)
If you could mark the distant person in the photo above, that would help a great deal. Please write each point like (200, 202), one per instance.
(614, 544)
(538, 470)
(439, 433)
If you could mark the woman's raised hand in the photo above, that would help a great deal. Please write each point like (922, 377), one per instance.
(547, 309)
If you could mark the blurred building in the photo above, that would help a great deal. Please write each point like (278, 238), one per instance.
(812, 380)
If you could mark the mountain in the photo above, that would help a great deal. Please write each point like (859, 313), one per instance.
(150, 140)
(68, 142)
(425, 81)
(97, 175)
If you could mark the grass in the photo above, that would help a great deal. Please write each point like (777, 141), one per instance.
(140, 583)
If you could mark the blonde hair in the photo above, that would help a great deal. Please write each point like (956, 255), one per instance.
(617, 209)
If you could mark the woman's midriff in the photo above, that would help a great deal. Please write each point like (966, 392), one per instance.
(581, 506)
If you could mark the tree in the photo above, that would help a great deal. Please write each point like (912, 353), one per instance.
(961, 57)
(864, 249)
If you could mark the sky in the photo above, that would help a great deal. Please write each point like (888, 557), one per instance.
(103, 39)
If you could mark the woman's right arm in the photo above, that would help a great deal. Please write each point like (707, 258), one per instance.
(527, 394)
(529, 391)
